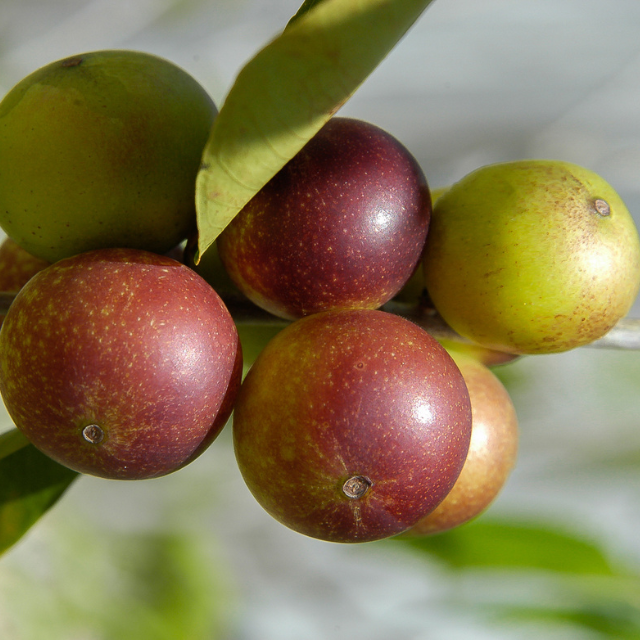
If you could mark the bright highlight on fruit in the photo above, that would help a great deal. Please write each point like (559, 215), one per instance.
(492, 450)
(101, 150)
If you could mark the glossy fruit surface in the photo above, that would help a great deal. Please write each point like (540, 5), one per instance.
(101, 150)
(351, 425)
(534, 256)
(119, 363)
(341, 226)
(492, 451)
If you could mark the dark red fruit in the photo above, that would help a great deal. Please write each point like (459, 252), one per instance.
(341, 226)
(119, 363)
(352, 425)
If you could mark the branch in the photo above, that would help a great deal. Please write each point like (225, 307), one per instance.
(624, 335)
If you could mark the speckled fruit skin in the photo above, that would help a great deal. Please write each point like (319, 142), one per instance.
(351, 394)
(130, 341)
(492, 451)
(102, 150)
(524, 256)
(341, 226)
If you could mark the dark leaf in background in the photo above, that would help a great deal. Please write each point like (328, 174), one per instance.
(30, 483)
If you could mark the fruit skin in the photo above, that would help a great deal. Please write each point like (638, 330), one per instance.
(414, 288)
(341, 226)
(17, 267)
(102, 150)
(492, 451)
(487, 357)
(351, 394)
(519, 258)
(133, 342)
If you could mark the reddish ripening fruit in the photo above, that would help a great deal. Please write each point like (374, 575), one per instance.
(492, 450)
(341, 226)
(119, 363)
(351, 425)
(17, 267)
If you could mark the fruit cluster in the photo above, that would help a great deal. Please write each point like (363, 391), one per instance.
(119, 357)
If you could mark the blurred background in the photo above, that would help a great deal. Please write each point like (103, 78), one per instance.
(192, 556)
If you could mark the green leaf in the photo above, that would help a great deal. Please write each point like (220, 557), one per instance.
(30, 483)
(284, 95)
(306, 5)
(11, 441)
(514, 546)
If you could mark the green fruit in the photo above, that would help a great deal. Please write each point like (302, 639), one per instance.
(535, 256)
(101, 150)
(437, 192)
(351, 425)
(492, 450)
(488, 357)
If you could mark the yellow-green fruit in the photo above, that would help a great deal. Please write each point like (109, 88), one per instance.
(483, 355)
(102, 150)
(535, 256)
(414, 288)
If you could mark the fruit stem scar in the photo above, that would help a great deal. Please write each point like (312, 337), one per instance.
(93, 434)
(356, 486)
(602, 207)
(72, 62)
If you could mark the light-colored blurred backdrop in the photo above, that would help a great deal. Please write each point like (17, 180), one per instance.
(473, 82)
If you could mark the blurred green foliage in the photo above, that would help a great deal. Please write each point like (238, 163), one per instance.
(485, 543)
(572, 581)
(86, 583)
